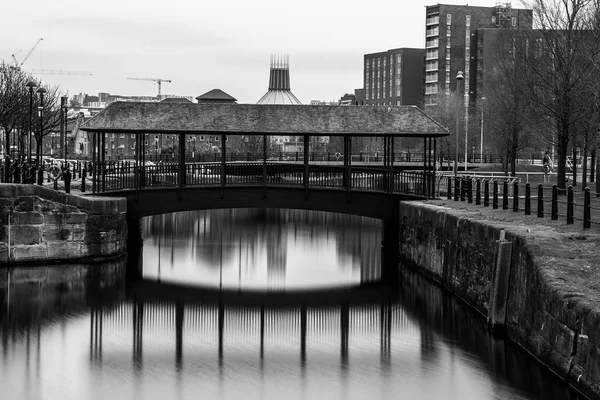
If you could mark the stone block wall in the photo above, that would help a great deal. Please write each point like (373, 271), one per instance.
(551, 311)
(41, 224)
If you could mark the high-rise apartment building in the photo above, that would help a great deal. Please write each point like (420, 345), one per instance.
(454, 42)
(394, 77)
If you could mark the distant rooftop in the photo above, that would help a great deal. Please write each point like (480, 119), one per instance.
(176, 100)
(215, 96)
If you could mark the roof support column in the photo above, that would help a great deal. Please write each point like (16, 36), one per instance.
(391, 153)
(223, 163)
(181, 170)
(306, 170)
(264, 166)
(143, 160)
(425, 166)
(138, 147)
(103, 162)
(347, 180)
(434, 169)
(94, 162)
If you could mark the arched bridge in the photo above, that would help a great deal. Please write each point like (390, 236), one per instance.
(371, 190)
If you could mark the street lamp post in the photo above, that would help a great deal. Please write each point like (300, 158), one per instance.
(30, 85)
(63, 127)
(481, 139)
(41, 91)
(459, 78)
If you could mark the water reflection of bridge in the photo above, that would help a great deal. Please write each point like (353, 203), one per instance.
(238, 236)
(195, 317)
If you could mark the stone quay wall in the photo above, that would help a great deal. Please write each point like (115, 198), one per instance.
(42, 225)
(545, 304)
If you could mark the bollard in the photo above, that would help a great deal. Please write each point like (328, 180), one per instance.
(478, 192)
(449, 188)
(587, 223)
(515, 196)
(527, 199)
(505, 195)
(495, 198)
(570, 205)
(486, 193)
(456, 186)
(554, 213)
(470, 190)
(67, 179)
(540, 212)
(83, 174)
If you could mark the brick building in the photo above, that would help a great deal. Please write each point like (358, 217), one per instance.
(454, 41)
(394, 77)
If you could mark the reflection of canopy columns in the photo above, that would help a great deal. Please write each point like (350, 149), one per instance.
(143, 314)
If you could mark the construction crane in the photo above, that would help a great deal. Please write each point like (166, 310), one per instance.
(157, 80)
(19, 64)
(58, 72)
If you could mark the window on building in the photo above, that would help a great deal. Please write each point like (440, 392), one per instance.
(202, 138)
(216, 138)
(145, 142)
(132, 136)
(514, 21)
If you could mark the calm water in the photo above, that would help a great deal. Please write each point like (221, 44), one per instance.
(83, 332)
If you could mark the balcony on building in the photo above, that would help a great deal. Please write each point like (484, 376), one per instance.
(431, 55)
(433, 20)
(435, 31)
(432, 43)
(431, 66)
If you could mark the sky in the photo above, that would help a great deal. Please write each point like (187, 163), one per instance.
(201, 45)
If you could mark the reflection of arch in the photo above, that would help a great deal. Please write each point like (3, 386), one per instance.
(248, 232)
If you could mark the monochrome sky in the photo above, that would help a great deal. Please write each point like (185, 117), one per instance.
(201, 45)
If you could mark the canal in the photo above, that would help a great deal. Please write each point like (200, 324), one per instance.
(252, 304)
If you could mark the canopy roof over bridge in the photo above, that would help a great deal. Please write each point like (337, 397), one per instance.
(250, 119)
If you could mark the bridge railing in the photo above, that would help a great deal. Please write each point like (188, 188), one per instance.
(127, 175)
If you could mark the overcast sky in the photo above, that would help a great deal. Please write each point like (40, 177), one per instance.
(202, 45)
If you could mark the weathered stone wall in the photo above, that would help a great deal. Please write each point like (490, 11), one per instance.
(40, 224)
(550, 310)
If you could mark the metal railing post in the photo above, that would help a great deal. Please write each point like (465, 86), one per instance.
(505, 195)
(527, 199)
(515, 196)
(587, 223)
(495, 198)
(570, 205)
(554, 212)
(540, 210)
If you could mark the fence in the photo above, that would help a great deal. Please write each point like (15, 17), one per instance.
(123, 175)
(509, 193)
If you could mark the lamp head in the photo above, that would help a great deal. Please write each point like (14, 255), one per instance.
(41, 91)
(460, 76)
(31, 85)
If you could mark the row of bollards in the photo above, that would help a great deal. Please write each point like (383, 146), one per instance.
(463, 191)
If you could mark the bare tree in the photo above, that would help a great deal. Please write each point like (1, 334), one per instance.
(510, 112)
(443, 110)
(13, 100)
(562, 68)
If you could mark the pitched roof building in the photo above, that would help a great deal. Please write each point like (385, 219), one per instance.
(215, 96)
